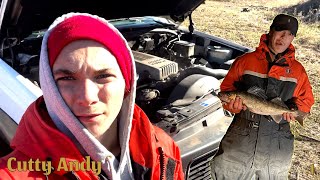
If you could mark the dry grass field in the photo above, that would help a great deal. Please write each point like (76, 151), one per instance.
(243, 22)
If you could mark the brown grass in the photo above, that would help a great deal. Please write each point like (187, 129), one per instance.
(243, 21)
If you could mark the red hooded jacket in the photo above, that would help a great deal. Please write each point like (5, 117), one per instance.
(153, 154)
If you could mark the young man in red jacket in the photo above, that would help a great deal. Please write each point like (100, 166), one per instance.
(87, 125)
(255, 146)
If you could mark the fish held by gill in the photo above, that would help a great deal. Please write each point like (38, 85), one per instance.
(259, 105)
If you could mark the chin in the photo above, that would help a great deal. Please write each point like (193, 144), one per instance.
(96, 132)
(278, 50)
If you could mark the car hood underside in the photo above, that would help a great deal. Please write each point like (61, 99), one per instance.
(21, 17)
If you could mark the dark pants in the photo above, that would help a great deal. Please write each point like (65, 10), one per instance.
(259, 149)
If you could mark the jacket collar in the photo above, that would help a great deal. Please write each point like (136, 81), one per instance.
(284, 59)
(38, 138)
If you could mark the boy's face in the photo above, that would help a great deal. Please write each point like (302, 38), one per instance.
(280, 40)
(91, 83)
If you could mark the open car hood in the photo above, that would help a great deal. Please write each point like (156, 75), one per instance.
(21, 17)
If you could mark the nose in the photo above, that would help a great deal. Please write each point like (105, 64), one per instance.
(87, 93)
(283, 34)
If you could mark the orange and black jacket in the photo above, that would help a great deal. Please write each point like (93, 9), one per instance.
(153, 154)
(285, 77)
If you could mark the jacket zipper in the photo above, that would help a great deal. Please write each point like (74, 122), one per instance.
(162, 165)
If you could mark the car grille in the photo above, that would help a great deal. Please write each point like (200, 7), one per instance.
(200, 168)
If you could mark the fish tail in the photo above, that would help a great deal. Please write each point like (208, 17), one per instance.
(301, 116)
(277, 118)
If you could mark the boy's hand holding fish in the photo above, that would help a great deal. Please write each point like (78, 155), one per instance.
(234, 105)
(288, 117)
(236, 101)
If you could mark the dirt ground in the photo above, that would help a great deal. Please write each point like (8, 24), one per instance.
(243, 22)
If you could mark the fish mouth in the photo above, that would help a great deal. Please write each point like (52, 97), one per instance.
(221, 95)
(224, 97)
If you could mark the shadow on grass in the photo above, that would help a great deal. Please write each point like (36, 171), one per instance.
(308, 11)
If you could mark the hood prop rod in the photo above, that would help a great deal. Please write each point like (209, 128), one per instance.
(191, 27)
(2, 10)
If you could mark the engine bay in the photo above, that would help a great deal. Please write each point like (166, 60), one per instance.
(179, 73)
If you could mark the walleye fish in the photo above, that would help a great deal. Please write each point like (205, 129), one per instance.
(259, 105)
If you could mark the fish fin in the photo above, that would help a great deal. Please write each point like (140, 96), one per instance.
(277, 118)
(301, 116)
(257, 92)
(279, 102)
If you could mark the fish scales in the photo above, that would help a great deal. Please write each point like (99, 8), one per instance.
(261, 106)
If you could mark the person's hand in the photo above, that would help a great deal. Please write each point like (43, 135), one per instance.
(235, 106)
(288, 117)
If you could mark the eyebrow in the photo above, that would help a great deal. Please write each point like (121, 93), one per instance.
(100, 71)
(69, 72)
(63, 71)
(103, 70)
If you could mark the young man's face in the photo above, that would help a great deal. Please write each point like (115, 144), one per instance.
(280, 40)
(91, 83)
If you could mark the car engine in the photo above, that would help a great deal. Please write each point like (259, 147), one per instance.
(178, 77)
(177, 85)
